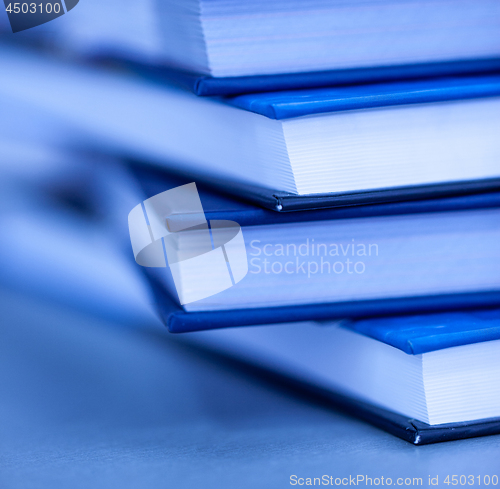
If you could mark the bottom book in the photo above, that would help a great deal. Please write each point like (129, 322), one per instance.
(425, 379)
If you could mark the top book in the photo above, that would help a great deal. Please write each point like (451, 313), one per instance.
(236, 38)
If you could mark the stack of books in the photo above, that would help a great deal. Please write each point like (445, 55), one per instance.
(350, 154)
(390, 311)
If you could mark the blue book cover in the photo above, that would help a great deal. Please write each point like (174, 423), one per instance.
(426, 333)
(205, 85)
(297, 103)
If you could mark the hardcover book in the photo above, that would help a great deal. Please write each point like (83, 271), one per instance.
(222, 47)
(354, 261)
(287, 150)
(424, 378)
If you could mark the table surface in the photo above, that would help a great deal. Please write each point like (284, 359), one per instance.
(88, 402)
